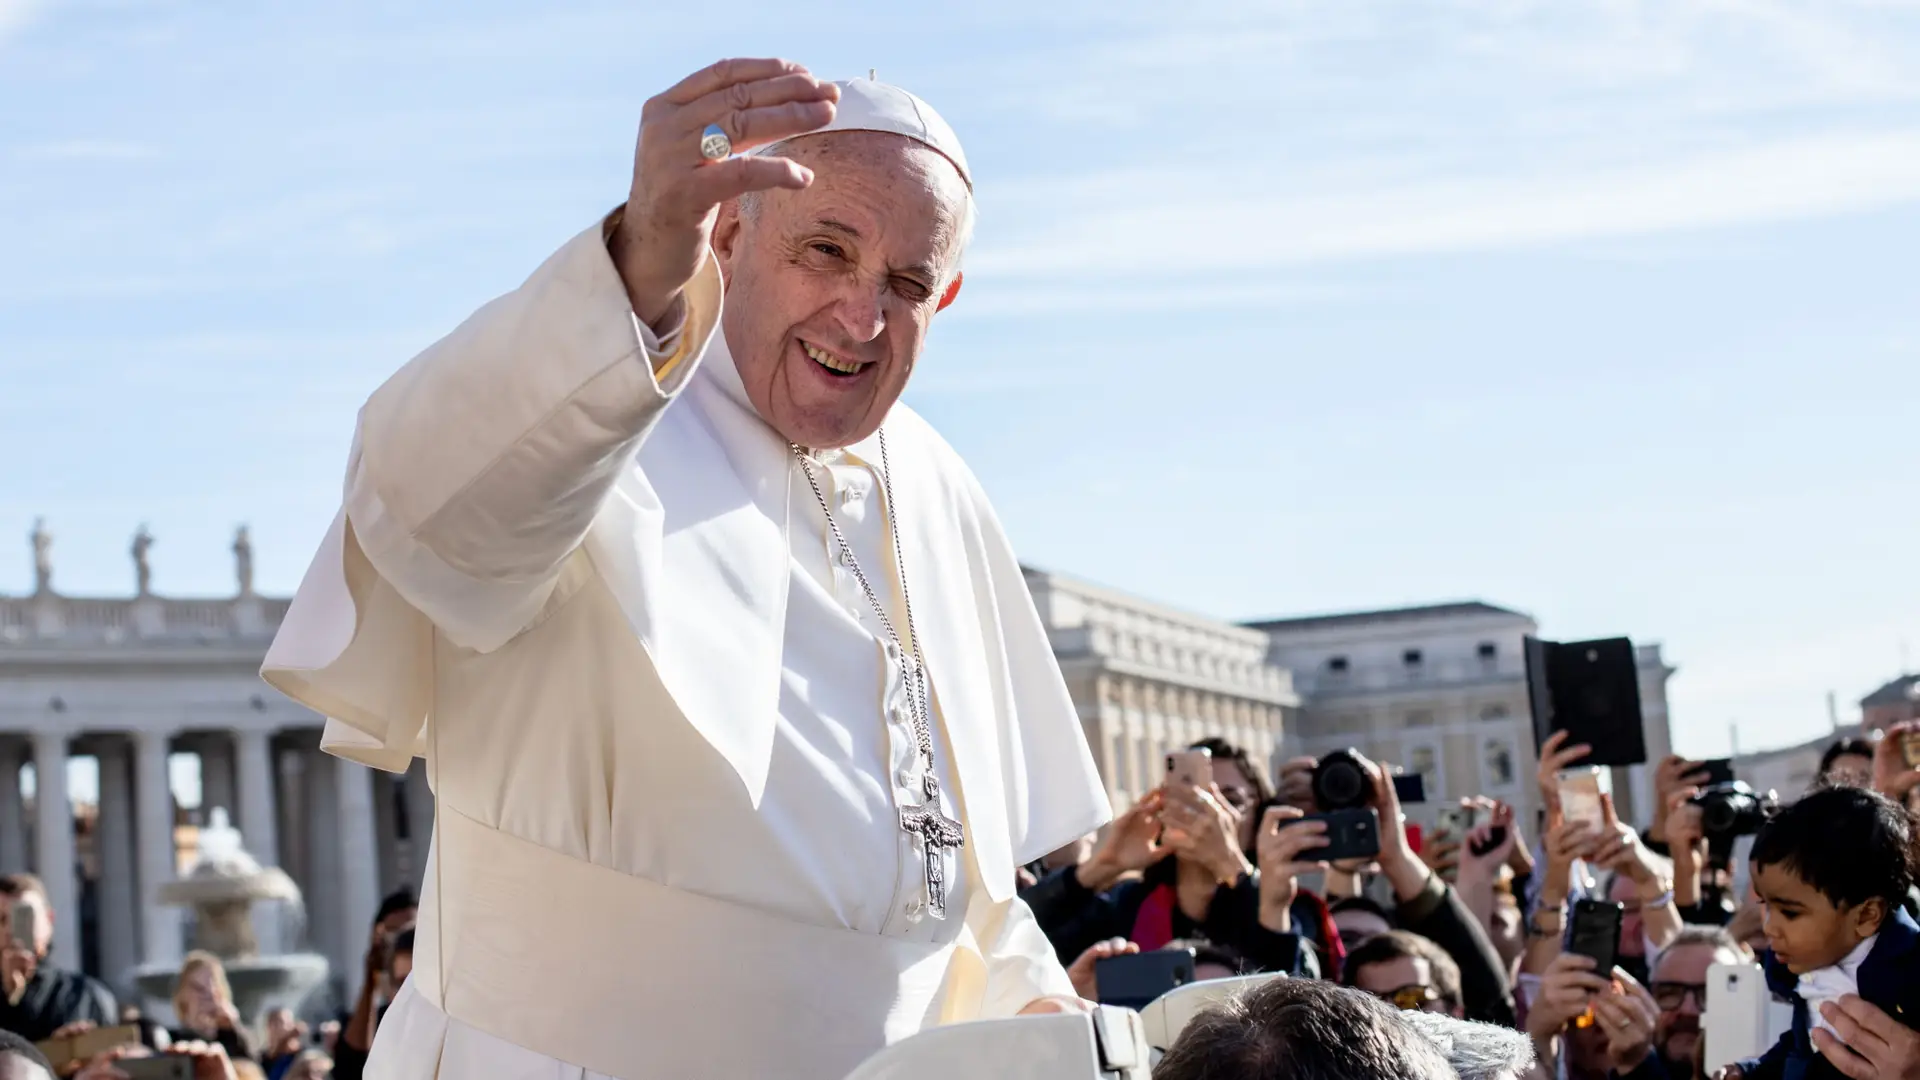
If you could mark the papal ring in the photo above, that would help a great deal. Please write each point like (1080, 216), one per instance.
(714, 144)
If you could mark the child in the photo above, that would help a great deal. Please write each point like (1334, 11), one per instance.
(1833, 871)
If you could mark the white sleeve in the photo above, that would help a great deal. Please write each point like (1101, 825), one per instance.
(475, 473)
(479, 467)
(1021, 965)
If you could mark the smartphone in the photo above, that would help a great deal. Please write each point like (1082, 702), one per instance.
(1351, 834)
(158, 1067)
(1191, 767)
(1453, 822)
(1134, 982)
(21, 925)
(1580, 791)
(1910, 749)
(1410, 788)
(1717, 771)
(1594, 931)
(1740, 1020)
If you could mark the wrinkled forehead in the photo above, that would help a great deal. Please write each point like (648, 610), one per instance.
(898, 184)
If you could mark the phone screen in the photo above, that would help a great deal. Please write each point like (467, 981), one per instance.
(22, 920)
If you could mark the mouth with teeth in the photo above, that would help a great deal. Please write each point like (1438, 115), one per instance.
(832, 363)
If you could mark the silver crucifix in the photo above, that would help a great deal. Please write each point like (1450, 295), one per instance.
(938, 834)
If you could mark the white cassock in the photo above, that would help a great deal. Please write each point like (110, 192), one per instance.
(664, 727)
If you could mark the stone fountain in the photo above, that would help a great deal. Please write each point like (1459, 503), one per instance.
(221, 890)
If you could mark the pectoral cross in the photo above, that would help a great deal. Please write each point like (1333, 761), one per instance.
(938, 834)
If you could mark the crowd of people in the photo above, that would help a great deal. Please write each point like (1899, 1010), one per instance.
(1464, 940)
(47, 1005)
(1459, 940)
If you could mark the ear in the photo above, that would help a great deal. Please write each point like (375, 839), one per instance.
(726, 236)
(1868, 917)
(953, 291)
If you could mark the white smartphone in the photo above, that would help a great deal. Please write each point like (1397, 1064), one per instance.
(1453, 822)
(1740, 1017)
(1580, 791)
(1191, 767)
(20, 926)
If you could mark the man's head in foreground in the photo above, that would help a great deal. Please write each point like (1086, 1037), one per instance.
(20, 1060)
(1475, 1051)
(1301, 1029)
(831, 288)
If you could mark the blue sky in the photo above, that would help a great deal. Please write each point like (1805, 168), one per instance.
(1608, 311)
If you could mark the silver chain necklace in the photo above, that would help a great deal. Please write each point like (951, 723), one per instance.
(936, 832)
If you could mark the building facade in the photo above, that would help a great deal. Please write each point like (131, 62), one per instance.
(134, 684)
(1150, 679)
(1896, 701)
(1441, 690)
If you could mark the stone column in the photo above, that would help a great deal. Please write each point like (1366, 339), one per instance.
(119, 916)
(13, 826)
(160, 938)
(359, 890)
(216, 778)
(53, 826)
(253, 764)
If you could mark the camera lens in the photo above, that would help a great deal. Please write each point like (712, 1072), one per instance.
(1718, 814)
(1339, 782)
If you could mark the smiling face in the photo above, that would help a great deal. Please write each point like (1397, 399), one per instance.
(830, 290)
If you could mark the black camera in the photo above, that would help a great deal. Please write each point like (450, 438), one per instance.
(1732, 810)
(1340, 782)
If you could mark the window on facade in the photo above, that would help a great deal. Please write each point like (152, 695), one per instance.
(1499, 764)
(1488, 650)
(1496, 711)
(1412, 658)
(1337, 665)
(1420, 718)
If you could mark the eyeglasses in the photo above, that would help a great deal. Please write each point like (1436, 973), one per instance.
(1414, 998)
(1671, 995)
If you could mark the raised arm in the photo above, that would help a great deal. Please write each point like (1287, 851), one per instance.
(479, 467)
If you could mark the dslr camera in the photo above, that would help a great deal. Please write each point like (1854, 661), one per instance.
(1732, 810)
(1340, 782)
(1343, 792)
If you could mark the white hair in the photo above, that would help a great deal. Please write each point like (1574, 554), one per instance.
(750, 208)
(1476, 1051)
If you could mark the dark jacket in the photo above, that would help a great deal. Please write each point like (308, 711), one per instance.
(1889, 979)
(1075, 918)
(54, 999)
(1439, 915)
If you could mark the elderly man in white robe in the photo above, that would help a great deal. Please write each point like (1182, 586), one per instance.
(737, 711)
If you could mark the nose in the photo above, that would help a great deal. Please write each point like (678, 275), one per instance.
(860, 311)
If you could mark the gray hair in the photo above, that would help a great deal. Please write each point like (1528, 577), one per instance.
(750, 208)
(1476, 1051)
(1300, 1029)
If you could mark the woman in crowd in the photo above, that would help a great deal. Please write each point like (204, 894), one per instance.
(203, 1003)
(1185, 863)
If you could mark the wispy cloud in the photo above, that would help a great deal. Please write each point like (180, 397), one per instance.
(1133, 230)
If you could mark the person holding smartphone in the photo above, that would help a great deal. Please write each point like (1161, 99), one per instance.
(1202, 856)
(40, 998)
(203, 1001)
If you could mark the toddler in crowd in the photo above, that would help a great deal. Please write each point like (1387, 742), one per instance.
(1834, 872)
